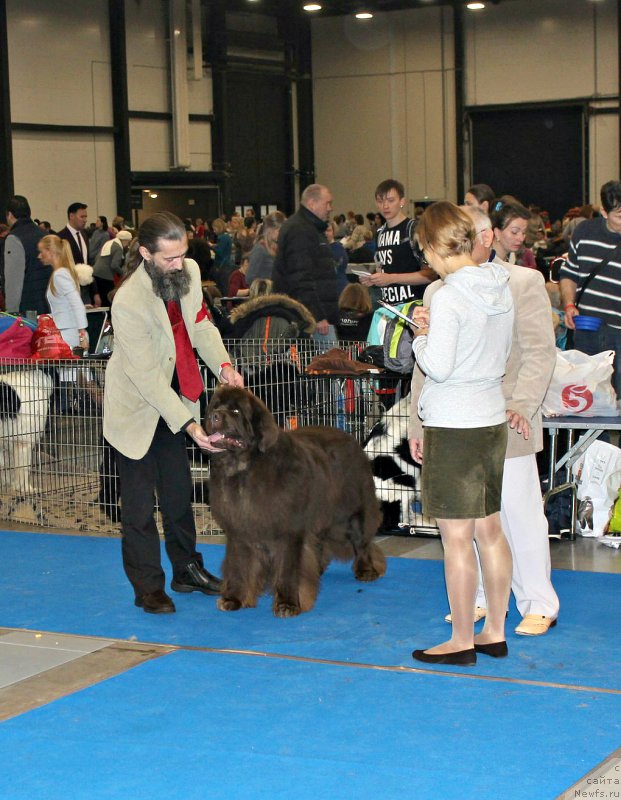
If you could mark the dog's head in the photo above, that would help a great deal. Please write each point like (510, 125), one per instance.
(243, 420)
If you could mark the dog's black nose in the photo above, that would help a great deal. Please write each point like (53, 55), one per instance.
(214, 418)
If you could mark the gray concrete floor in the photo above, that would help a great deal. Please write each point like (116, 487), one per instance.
(581, 555)
(38, 667)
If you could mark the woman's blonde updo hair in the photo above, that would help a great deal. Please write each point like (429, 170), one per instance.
(446, 229)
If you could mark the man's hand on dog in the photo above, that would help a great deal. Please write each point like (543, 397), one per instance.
(231, 377)
(203, 440)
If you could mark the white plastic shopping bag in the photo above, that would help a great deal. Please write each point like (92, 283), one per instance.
(598, 477)
(581, 385)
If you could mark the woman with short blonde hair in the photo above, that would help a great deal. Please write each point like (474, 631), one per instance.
(218, 226)
(463, 348)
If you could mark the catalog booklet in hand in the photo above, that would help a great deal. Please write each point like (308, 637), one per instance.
(398, 313)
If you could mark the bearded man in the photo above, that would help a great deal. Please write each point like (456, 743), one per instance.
(152, 389)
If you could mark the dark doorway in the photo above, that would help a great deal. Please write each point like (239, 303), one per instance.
(536, 154)
(184, 202)
(259, 138)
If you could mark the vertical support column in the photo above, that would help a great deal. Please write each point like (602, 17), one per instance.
(619, 81)
(458, 36)
(306, 138)
(179, 85)
(6, 139)
(197, 41)
(289, 26)
(118, 77)
(216, 55)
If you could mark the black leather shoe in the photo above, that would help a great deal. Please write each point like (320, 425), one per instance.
(494, 649)
(459, 658)
(195, 578)
(157, 602)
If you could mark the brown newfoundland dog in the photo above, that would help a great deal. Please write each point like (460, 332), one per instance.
(289, 502)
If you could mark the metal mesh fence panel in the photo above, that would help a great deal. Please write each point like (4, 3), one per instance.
(57, 471)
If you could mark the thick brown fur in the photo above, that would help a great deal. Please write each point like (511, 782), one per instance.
(289, 502)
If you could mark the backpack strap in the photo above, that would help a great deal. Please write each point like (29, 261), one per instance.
(410, 226)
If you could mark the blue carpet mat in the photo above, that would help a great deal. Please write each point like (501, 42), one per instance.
(76, 585)
(229, 727)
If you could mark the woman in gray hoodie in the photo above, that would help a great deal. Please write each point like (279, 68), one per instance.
(463, 353)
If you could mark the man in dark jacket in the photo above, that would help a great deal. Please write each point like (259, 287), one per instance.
(304, 268)
(74, 232)
(25, 277)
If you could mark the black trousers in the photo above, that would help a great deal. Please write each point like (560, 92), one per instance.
(104, 287)
(164, 469)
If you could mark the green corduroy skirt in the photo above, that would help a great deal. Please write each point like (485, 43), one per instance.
(462, 471)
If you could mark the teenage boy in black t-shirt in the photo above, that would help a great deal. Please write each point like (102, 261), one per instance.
(400, 273)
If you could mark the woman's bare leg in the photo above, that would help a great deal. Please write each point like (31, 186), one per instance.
(496, 566)
(461, 575)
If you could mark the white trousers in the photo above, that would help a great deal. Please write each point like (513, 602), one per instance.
(526, 528)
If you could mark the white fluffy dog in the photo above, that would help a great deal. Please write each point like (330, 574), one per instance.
(24, 406)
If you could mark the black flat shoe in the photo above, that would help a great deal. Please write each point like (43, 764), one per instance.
(157, 602)
(459, 658)
(495, 649)
(195, 578)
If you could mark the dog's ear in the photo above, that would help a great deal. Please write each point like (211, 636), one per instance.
(265, 427)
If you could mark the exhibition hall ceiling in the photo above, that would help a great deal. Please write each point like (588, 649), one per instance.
(340, 7)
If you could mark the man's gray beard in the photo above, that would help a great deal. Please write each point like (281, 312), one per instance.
(168, 285)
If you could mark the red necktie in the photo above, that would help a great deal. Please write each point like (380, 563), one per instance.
(190, 381)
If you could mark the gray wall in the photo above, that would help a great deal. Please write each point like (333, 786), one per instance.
(384, 88)
(383, 93)
(59, 67)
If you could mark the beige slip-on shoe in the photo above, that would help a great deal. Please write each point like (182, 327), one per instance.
(479, 613)
(535, 625)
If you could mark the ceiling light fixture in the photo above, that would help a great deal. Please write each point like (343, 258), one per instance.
(475, 6)
(364, 15)
(312, 7)
(153, 195)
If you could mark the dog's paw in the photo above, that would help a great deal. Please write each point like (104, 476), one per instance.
(228, 604)
(367, 574)
(283, 609)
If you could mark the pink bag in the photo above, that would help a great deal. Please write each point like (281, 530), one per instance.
(16, 340)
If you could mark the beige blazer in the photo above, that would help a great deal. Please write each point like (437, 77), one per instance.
(531, 361)
(138, 377)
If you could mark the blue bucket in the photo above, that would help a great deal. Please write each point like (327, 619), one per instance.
(584, 323)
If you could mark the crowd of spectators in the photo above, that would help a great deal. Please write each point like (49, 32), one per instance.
(234, 251)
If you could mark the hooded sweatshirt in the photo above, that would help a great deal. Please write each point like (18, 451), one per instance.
(464, 356)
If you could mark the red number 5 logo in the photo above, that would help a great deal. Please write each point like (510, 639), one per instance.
(576, 398)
